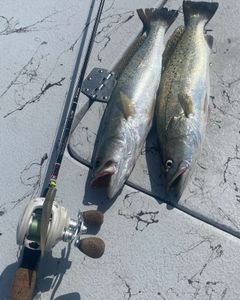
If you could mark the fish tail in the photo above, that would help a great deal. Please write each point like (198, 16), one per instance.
(203, 10)
(160, 15)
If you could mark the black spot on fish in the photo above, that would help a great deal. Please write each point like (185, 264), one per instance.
(1, 213)
(226, 50)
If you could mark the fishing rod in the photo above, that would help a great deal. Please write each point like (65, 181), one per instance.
(44, 221)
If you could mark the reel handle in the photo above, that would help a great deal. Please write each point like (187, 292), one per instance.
(93, 217)
(23, 284)
(92, 246)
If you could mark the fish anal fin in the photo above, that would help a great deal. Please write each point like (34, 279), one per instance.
(187, 104)
(127, 106)
(209, 40)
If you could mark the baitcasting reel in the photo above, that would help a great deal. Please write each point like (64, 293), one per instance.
(61, 227)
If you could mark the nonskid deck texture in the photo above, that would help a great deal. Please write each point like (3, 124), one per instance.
(153, 251)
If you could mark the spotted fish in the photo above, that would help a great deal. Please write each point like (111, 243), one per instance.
(182, 101)
(129, 113)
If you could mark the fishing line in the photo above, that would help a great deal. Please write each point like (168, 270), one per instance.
(26, 272)
(64, 132)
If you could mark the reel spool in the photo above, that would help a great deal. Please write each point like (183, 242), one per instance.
(61, 228)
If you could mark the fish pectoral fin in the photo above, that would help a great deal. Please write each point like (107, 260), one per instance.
(187, 104)
(209, 40)
(128, 108)
(171, 45)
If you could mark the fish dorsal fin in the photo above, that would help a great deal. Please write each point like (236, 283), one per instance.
(187, 104)
(127, 105)
(209, 40)
(171, 45)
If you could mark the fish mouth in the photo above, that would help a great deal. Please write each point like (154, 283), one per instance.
(178, 181)
(102, 177)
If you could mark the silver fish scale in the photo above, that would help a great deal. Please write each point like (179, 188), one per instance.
(128, 116)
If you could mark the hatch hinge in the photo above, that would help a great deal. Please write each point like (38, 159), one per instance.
(99, 84)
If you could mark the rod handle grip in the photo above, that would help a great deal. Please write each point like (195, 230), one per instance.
(93, 217)
(92, 246)
(23, 284)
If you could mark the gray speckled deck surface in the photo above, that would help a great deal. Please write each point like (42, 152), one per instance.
(153, 251)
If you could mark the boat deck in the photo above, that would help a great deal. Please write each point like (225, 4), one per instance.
(154, 250)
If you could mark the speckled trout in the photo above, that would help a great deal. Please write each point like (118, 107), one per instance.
(182, 101)
(129, 113)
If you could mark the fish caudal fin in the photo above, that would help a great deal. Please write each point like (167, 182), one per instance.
(205, 10)
(161, 15)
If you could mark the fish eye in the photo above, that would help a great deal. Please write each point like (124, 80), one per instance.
(97, 163)
(169, 164)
